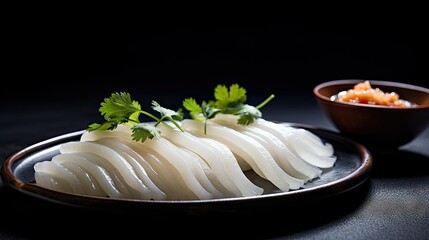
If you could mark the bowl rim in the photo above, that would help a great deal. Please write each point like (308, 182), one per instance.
(316, 92)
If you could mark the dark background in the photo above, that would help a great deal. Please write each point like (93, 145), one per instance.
(173, 59)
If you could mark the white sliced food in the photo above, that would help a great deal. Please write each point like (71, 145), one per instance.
(60, 171)
(197, 168)
(299, 146)
(285, 157)
(192, 143)
(170, 152)
(113, 172)
(139, 164)
(242, 164)
(89, 183)
(206, 177)
(220, 159)
(89, 136)
(247, 187)
(52, 182)
(211, 176)
(276, 148)
(100, 174)
(175, 187)
(248, 148)
(116, 160)
(313, 141)
(307, 154)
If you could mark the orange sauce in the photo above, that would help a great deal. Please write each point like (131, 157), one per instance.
(364, 93)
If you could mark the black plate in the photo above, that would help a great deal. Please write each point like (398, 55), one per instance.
(351, 169)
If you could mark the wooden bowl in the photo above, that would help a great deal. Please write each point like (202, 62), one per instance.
(381, 128)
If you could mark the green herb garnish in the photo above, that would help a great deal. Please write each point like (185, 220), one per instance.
(119, 108)
(203, 112)
(230, 100)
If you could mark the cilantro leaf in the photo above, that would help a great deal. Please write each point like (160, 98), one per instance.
(229, 99)
(195, 110)
(203, 112)
(248, 114)
(167, 113)
(172, 116)
(119, 106)
(143, 131)
(108, 125)
(209, 110)
(233, 101)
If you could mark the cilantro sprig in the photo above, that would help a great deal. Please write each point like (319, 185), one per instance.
(119, 108)
(203, 112)
(230, 100)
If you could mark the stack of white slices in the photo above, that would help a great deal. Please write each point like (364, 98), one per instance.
(204, 162)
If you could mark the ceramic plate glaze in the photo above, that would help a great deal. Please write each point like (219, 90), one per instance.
(351, 169)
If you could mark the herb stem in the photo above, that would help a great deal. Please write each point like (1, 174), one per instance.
(177, 125)
(151, 115)
(159, 120)
(265, 102)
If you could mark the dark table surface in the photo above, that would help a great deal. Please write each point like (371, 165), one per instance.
(392, 204)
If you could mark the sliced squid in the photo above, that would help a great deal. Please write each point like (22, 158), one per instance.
(224, 166)
(187, 165)
(206, 176)
(313, 142)
(247, 187)
(172, 154)
(91, 186)
(290, 162)
(249, 149)
(89, 136)
(116, 160)
(197, 168)
(139, 164)
(277, 150)
(60, 172)
(52, 182)
(305, 153)
(303, 148)
(175, 187)
(53, 169)
(99, 173)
